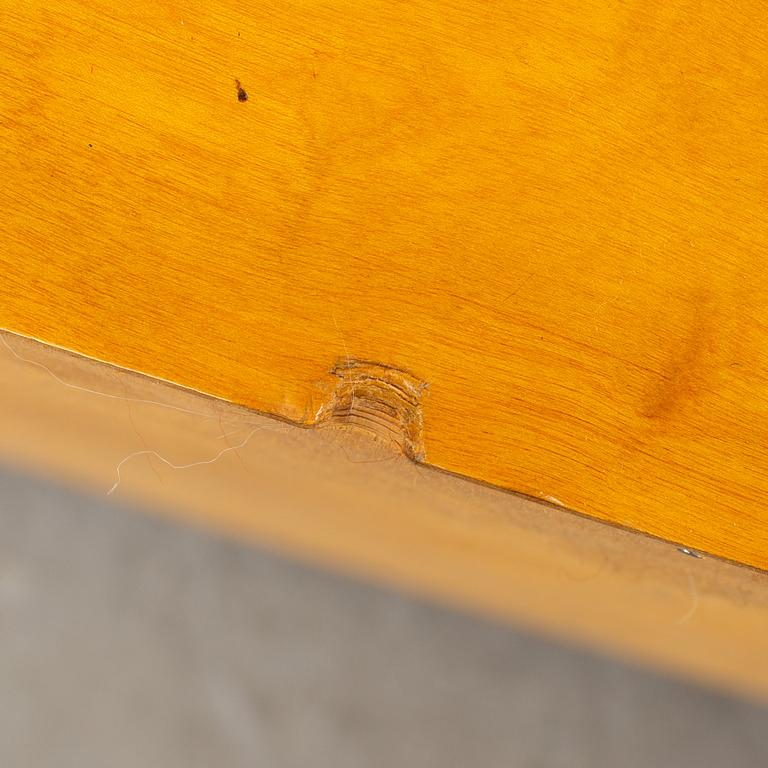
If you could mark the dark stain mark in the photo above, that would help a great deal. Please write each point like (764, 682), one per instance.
(242, 96)
(90, 145)
(684, 375)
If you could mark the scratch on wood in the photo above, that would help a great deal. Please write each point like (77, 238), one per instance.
(108, 395)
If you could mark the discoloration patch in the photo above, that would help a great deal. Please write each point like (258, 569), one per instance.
(382, 400)
(684, 374)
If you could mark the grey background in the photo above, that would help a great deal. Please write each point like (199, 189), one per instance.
(128, 640)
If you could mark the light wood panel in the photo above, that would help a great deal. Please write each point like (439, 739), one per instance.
(342, 499)
(551, 214)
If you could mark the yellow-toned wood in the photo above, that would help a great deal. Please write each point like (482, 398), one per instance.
(342, 499)
(552, 213)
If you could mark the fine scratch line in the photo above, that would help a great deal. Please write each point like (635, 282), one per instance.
(169, 463)
(695, 600)
(349, 362)
(341, 336)
(78, 388)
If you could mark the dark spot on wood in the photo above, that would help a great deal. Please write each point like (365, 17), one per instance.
(241, 93)
(90, 145)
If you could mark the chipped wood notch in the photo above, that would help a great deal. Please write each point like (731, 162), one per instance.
(382, 400)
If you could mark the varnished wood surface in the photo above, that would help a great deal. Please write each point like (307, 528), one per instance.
(551, 215)
(342, 499)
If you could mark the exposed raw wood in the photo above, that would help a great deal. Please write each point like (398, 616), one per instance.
(339, 498)
(552, 213)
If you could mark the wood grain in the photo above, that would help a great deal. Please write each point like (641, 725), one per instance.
(346, 501)
(552, 213)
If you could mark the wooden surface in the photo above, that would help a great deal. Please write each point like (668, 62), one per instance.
(552, 216)
(342, 499)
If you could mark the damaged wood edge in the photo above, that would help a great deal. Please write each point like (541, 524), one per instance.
(379, 399)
